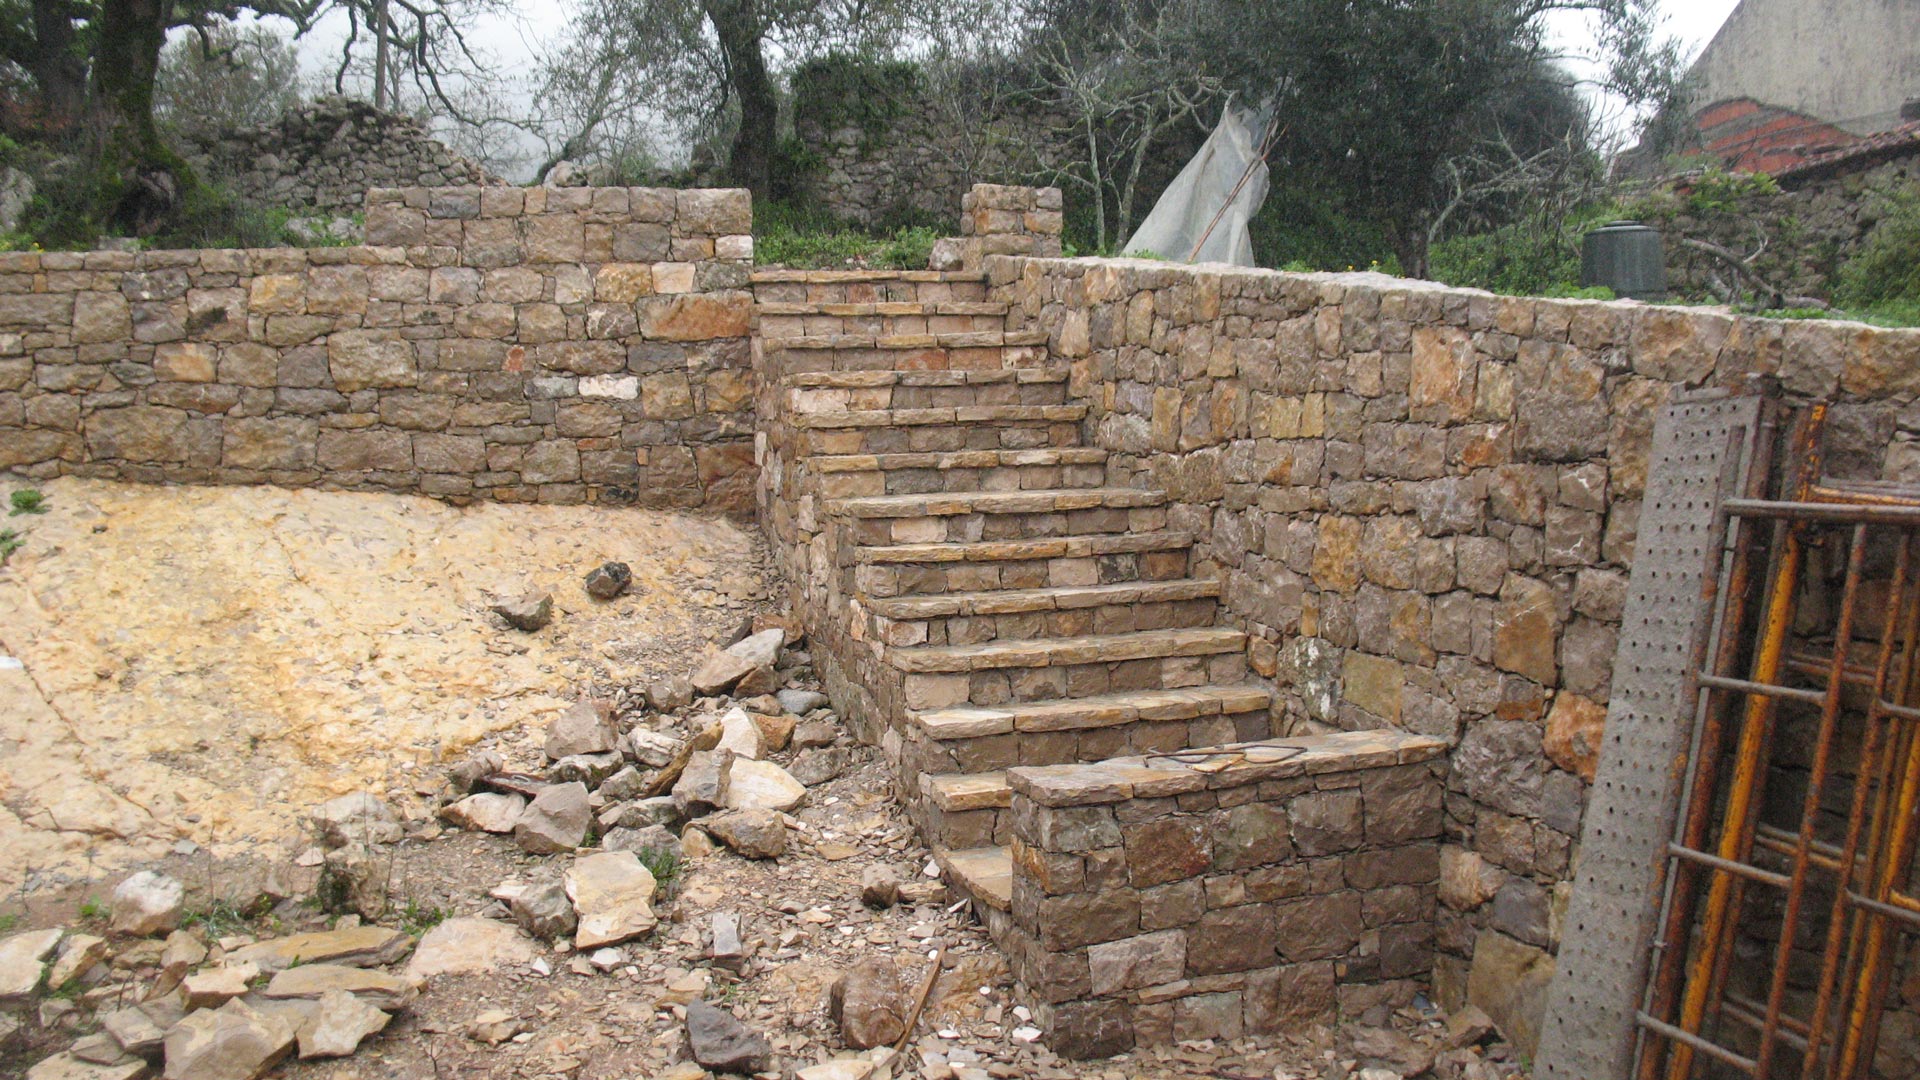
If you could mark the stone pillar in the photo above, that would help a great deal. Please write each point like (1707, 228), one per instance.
(997, 219)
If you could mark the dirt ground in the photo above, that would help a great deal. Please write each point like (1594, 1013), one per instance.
(198, 668)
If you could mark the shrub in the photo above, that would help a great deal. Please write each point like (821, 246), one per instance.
(27, 501)
(787, 235)
(1886, 267)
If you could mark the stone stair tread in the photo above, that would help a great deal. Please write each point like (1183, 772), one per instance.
(1036, 501)
(837, 277)
(1053, 547)
(964, 414)
(867, 380)
(960, 792)
(1058, 652)
(885, 308)
(984, 873)
(1095, 711)
(1053, 598)
(957, 459)
(967, 339)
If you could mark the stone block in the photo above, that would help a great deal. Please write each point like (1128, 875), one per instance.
(1234, 939)
(1136, 962)
(1159, 852)
(264, 443)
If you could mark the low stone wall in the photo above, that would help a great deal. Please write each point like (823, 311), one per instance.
(1423, 502)
(1155, 902)
(519, 344)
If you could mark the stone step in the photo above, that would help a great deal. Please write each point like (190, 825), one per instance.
(994, 337)
(792, 325)
(921, 431)
(1050, 562)
(1092, 712)
(856, 475)
(984, 874)
(961, 792)
(854, 391)
(1068, 652)
(905, 353)
(968, 516)
(884, 308)
(955, 504)
(776, 276)
(967, 414)
(971, 618)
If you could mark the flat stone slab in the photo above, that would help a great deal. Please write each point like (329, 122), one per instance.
(1231, 765)
(469, 946)
(360, 946)
(310, 981)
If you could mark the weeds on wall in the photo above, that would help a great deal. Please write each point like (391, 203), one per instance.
(804, 239)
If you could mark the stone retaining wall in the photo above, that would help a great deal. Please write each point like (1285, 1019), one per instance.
(1423, 501)
(1142, 886)
(564, 345)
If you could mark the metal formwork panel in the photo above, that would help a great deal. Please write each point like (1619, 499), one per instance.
(1702, 451)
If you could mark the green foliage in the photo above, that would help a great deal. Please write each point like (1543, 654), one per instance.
(223, 917)
(417, 918)
(1303, 226)
(92, 909)
(27, 501)
(1719, 191)
(1886, 267)
(10, 542)
(665, 865)
(845, 89)
(8, 921)
(786, 235)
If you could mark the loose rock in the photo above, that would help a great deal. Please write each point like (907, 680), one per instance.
(310, 981)
(720, 671)
(801, 702)
(870, 1003)
(544, 911)
(487, 812)
(358, 878)
(608, 580)
(555, 821)
(146, 904)
(670, 694)
(71, 1067)
(586, 727)
(474, 769)
(816, 767)
(339, 1025)
(761, 785)
(215, 987)
(741, 736)
(22, 963)
(723, 1043)
(815, 733)
(754, 834)
(529, 613)
(358, 946)
(359, 818)
(612, 893)
(880, 887)
(468, 946)
(235, 1042)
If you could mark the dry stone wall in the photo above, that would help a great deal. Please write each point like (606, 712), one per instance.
(565, 345)
(1423, 502)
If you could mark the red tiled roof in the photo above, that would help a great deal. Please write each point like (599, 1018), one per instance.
(1867, 150)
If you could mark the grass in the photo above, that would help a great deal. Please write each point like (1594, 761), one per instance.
(8, 921)
(27, 501)
(664, 864)
(417, 918)
(809, 240)
(221, 918)
(92, 909)
(10, 542)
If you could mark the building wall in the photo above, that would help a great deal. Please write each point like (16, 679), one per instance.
(1850, 62)
(520, 344)
(1423, 501)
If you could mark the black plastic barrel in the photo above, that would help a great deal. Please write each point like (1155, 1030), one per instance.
(1626, 257)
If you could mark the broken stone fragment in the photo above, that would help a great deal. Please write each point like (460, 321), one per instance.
(494, 1027)
(69, 1066)
(726, 667)
(474, 769)
(339, 1025)
(146, 904)
(702, 783)
(812, 734)
(487, 812)
(645, 838)
(235, 1042)
(555, 821)
(359, 878)
(214, 987)
(468, 946)
(801, 702)
(654, 749)
(22, 962)
(776, 730)
(182, 952)
(761, 680)
(622, 785)
(98, 1048)
(818, 766)
(136, 1030)
(529, 613)
(586, 727)
(79, 954)
(310, 981)
(760, 785)
(753, 834)
(1387, 1048)
(357, 946)
(612, 893)
(544, 911)
(359, 818)
(724, 1044)
(670, 694)
(740, 735)
(869, 1002)
(608, 580)
(724, 946)
(588, 769)
(880, 887)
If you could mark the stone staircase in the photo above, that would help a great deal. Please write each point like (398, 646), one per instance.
(953, 534)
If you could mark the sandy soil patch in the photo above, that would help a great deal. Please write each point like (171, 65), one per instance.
(205, 664)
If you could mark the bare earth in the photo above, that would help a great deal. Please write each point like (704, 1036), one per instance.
(208, 663)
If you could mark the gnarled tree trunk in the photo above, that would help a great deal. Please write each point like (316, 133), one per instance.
(138, 183)
(737, 24)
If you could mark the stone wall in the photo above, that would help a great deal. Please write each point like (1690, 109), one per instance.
(518, 344)
(321, 158)
(1423, 501)
(1142, 884)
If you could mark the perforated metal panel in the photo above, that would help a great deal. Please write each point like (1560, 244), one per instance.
(1701, 451)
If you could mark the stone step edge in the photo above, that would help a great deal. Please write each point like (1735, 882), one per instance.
(784, 276)
(1018, 601)
(982, 874)
(1034, 501)
(976, 339)
(1088, 713)
(962, 414)
(886, 309)
(957, 459)
(874, 379)
(1064, 652)
(957, 793)
(1057, 547)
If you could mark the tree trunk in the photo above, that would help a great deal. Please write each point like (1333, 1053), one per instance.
(58, 69)
(138, 182)
(737, 24)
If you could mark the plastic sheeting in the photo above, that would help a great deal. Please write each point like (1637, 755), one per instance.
(1191, 203)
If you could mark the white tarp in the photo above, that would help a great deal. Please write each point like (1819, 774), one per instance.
(1191, 203)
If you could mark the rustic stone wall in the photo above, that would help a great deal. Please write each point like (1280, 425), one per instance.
(321, 158)
(1423, 501)
(518, 344)
(1142, 885)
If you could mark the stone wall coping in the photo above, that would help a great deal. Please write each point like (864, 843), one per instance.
(836, 277)
(1333, 287)
(1229, 766)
